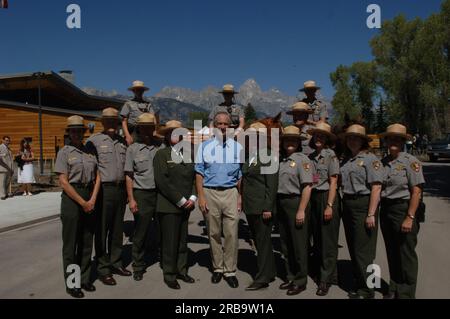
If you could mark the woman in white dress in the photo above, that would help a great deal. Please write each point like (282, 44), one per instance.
(25, 175)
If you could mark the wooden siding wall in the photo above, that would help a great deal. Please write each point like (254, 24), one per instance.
(21, 123)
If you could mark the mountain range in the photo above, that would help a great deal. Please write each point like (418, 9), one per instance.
(178, 103)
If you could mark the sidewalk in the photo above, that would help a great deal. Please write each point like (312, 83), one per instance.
(21, 211)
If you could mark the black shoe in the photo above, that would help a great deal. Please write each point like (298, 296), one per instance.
(122, 272)
(4, 198)
(232, 281)
(108, 280)
(323, 289)
(216, 277)
(88, 287)
(75, 293)
(257, 286)
(138, 275)
(295, 290)
(173, 284)
(186, 278)
(286, 285)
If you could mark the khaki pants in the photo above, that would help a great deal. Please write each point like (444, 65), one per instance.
(223, 214)
(5, 180)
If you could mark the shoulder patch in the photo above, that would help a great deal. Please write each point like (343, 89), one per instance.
(306, 166)
(376, 165)
(415, 167)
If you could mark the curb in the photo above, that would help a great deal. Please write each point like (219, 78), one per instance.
(29, 223)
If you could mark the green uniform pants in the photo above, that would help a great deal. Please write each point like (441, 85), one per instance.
(78, 230)
(362, 242)
(294, 239)
(262, 234)
(325, 237)
(146, 201)
(174, 250)
(400, 248)
(109, 237)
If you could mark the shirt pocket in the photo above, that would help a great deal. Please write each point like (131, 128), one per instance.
(105, 154)
(75, 165)
(142, 164)
(397, 178)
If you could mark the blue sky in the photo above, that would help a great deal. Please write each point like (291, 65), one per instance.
(194, 43)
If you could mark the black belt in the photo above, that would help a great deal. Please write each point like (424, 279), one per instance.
(288, 195)
(355, 196)
(82, 185)
(395, 200)
(219, 188)
(320, 190)
(121, 183)
(150, 190)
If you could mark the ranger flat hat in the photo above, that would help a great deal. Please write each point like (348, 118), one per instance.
(357, 130)
(257, 127)
(300, 107)
(75, 121)
(309, 85)
(146, 119)
(110, 113)
(323, 128)
(228, 88)
(170, 125)
(138, 85)
(293, 131)
(397, 130)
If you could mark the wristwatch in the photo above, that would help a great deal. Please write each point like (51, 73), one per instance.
(411, 216)
(330, 205)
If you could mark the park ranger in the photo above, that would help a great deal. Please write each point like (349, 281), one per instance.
(325, 219)
(174, 176)
(300, 112)
(141, 188)
(80, 181)
(362, 176)
(399, 216)
(319, 107)
(229, 106)
(110, 149)
(132, 109)
(294, 192)
(259, 191)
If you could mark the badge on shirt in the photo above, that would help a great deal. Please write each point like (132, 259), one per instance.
(306, 167)
(416, 167)
(399, 167)
(376, 165)
(322, 161)
(361, 163)
(293, 164)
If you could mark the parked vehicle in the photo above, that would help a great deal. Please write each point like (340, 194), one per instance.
(439, 149)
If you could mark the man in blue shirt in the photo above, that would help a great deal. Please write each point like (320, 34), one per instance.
(218, 178)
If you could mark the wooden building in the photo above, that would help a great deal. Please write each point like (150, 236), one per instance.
(19, 109)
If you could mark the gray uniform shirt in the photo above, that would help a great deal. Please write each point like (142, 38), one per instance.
(359, 172)
(401, 175)
(80, 166)
(295, 171)
(305, 144)
(236, 113)
(320, 109)
(111, 155)
(326, 165)
(6, 159)
(133, 109)
(139, 162)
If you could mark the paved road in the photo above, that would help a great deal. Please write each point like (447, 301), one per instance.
(31, 259)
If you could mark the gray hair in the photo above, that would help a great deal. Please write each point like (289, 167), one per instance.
(222, 113)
